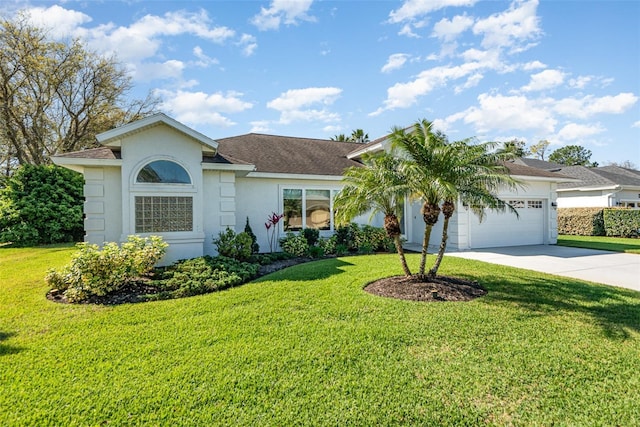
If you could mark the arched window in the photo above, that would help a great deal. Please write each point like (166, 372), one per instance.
(163, 172)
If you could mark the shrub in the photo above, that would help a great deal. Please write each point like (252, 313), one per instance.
(581, 221)
(312, 235)
(41, 205)
(329, 245)
(98, 272)
(255, 247)
(346, 235)
(315, 252)
(376, 237)
(294, 244)
(622, 222)
(232, 245)
(206, 274)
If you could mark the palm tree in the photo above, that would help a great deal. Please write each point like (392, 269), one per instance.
(341, 137)
(359, 136)
(423, 153)
(473, 174)
(378, 187)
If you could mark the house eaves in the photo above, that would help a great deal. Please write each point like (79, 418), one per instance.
(306, 177)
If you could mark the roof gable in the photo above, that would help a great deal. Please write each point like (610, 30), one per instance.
(113, 138)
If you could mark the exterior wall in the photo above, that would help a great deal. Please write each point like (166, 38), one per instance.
(584, 199)
(219, 206)
(103, 205)
(257, 198)
(163, 143)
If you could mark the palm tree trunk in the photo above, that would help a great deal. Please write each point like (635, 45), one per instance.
(403, 259)
(443, 246)
(425, 247)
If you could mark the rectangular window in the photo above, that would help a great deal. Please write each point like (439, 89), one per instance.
(318, 209)
(534, 204)
(308, 208)
(156, 214)
(292, 200)
(517, 204)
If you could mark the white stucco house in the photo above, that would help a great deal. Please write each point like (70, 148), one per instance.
(594, 187)
(158, 176)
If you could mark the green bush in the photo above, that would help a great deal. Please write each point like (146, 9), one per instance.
(294, 244)
(41, 205)
(346, 236)
(368, 238)
(581, 221)
(206, 274)
(329, 245)
(315, 252)
(237, 246)
(98, 272)
(255, 247)
(622, 222)
(312, 235)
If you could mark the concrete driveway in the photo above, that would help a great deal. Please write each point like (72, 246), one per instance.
(610, 268)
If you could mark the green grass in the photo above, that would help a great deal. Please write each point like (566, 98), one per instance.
(615, 244)
(307, 346)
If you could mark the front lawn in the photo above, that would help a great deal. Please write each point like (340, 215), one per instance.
(307, 346)
(615, 244)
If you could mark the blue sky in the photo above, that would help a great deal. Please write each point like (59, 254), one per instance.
(565, 71)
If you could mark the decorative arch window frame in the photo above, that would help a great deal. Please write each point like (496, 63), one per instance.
(173, 195)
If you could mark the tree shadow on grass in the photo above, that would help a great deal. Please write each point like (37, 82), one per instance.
(7, 349)
(615, 310)
(308, 271)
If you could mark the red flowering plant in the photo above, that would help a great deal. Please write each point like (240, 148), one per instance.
(272, 225)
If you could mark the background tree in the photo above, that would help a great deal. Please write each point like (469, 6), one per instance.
(40, 205)
(56, 96)
(359, 136)
(515, 147)
(627, 164)
(538, 150)
(572, 155)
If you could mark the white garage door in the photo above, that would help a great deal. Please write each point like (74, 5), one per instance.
(505, 229)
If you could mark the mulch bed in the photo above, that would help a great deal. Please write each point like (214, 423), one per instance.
(415, 288)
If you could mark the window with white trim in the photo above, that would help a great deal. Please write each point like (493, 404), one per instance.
(307, 208)
(163, 210)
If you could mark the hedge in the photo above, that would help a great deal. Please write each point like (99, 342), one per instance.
(581, 221)
(622, 222)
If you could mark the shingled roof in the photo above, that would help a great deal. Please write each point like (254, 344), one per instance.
(606, 176)
(289, 155)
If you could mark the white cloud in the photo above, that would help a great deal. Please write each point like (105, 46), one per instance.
(394, 62)
(575, 131)
(512, 28)
(533, 65)
(288, 12)
(546, 79)
(248, 44)
(149, 71)
(59, 21)
(590, 105)
(203, 108)
(203, 59)
(295, 104)
(580, 82)
(636, 124)
(503, 113)
(261, 126)
(472, 81)
(448, 30)
(411, 9)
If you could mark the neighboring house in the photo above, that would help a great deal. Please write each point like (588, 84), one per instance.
(158, 176)
(605, 186)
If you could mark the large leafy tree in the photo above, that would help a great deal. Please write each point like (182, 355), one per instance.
(572, 155)
(41, 204)
(538, 150)
(56, 96)
(515, 147)
(378, 187)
